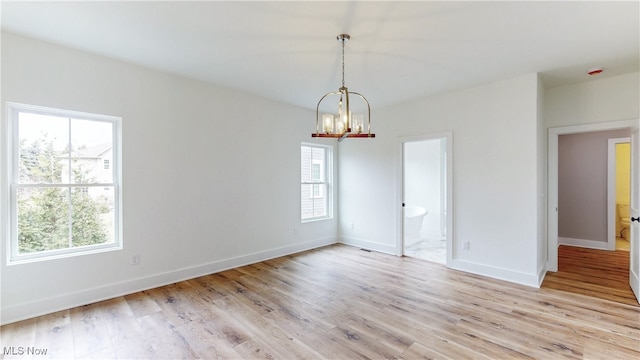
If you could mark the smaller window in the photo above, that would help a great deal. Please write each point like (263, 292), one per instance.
(315, 190)
(106, 164)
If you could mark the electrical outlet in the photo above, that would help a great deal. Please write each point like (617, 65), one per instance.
(295, 231)
(135, 259)
(465, 245)
(353, 226)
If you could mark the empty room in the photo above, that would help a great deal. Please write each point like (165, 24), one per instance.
(311, 179)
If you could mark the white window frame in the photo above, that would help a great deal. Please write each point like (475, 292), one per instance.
(326, 178)
(11, 179)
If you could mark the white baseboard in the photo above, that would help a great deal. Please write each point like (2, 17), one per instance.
(542, 272)
(532, 280)
(591, 244)
(50, 305)
(383, 248)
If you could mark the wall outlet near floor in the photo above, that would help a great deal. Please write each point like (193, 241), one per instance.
(135, 259)
(465, 245)
(353, 226)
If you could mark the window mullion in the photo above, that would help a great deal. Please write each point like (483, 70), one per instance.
(70, 217)
(69, 202)
(69, 149)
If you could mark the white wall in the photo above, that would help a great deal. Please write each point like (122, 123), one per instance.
(495, 176)
(209, 182)
(599, 100)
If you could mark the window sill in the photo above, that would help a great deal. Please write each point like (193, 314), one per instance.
(29, 259)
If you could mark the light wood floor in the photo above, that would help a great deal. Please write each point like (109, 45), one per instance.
(339, 302)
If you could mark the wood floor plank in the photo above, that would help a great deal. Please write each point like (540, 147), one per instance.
(54, 334)
(89, 329)
(207, 341)
(18, 334)
(162, 340)
(362, 344)
(339, 302)
(141, 304)
(174, 303)
(127, 337)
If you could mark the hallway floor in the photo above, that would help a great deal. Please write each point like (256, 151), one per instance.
(601, 274)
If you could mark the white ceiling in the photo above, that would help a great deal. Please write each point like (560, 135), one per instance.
(398, 51)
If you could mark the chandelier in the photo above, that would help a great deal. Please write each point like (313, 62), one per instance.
(343, 123)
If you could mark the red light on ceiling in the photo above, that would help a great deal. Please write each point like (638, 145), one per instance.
(595, 71)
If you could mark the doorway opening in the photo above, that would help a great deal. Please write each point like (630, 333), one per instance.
(630, 126)
(619, 193)
(553, 235)
(587, 204)
(426, 184)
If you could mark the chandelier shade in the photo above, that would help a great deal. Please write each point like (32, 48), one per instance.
(347, 121)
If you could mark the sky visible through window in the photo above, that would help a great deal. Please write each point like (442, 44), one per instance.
(34, 126)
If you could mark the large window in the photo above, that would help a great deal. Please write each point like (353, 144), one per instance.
(315, 190)
(63, 199)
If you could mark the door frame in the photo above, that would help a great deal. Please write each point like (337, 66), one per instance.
(552, 171)
(634, 204)
(612, 162)
(448, 198)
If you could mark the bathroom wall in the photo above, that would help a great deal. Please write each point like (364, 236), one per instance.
(623, 173)
(582, 186)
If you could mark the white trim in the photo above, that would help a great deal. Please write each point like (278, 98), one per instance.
(589, 244)
(444, 186)
(91, 295)
(368, 245)
(552, 173)
(533, 280)
(612, 196)
(448, 136)
(634, 205)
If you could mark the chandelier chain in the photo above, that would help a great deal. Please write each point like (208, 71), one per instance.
(342, 62)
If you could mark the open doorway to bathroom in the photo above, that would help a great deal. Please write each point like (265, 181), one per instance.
(619, 192)
(425, 205)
